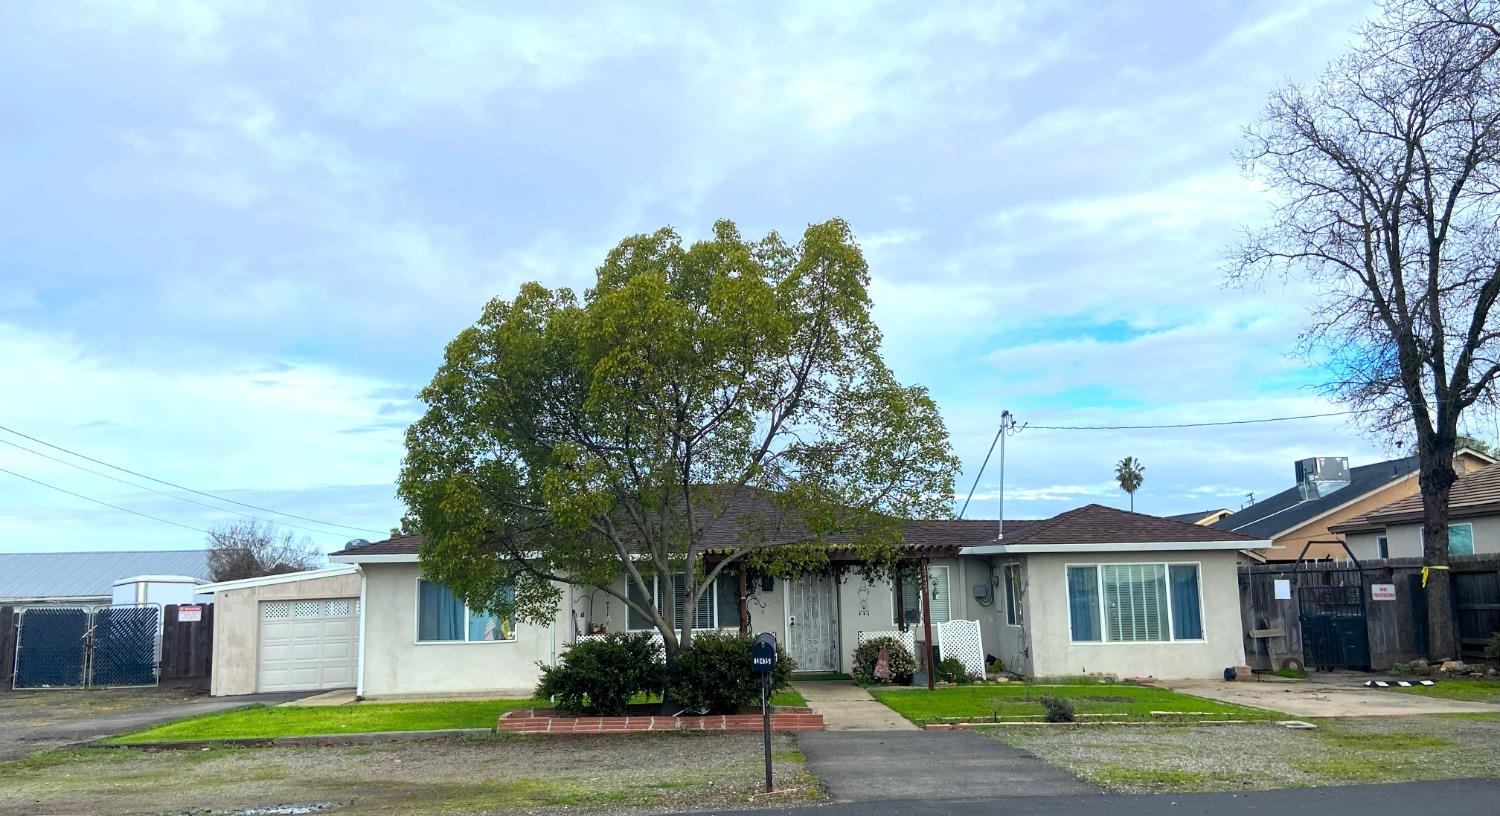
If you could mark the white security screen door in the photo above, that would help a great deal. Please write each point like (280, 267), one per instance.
(812, 624)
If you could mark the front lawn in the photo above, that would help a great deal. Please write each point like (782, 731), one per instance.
(1475, 691)
(1016, 701)
(263, 722)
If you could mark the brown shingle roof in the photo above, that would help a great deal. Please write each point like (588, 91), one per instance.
(1474, 494)
(1097, 524)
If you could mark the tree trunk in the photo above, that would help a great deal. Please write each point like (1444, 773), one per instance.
(1436, 481)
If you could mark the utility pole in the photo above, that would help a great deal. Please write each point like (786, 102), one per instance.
(1007, 422)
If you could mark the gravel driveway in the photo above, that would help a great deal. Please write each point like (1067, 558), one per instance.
(32, 721)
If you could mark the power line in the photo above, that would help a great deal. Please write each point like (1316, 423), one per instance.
(105, 503)
(184, 487)
(159, 492)
(980, 474)
(1188, 424)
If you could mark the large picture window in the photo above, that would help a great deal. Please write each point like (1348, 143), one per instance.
(1134, 603)
(910, 612)
(442, 617)
(718, 606)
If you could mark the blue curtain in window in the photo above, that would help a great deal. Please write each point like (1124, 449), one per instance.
(1083, 602)
(1187, 617)
(440, 616)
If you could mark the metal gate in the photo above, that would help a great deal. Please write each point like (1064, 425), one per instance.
(69, 647)
(1332, 616)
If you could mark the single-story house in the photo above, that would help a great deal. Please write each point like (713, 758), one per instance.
(1092, 590)
(1395, 530)
(1327, 492)
(94, 579)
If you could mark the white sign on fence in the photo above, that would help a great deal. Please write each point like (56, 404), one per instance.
(189, 613)
(1283, 589)
(1382, 592)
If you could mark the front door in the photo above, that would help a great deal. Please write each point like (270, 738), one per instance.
(812, 624)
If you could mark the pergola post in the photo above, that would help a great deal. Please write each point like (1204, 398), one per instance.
(744, 597)
(927, 625)
(900, 602)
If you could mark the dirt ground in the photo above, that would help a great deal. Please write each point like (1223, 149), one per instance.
(597, 774)
(1330, 695)
(1260, 756)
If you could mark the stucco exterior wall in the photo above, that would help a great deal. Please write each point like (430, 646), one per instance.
(1053, 653)
(237, 626)
(1405, 540)
(396, 664)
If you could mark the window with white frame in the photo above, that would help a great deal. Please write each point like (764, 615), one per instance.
(1460, 538)
(1134, 603)
(442, 617)
(1012, 577)
(909, 611)
(1382, 547)
(718, 606)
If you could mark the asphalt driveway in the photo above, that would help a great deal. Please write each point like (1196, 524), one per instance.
(33, 721)
(873, 766)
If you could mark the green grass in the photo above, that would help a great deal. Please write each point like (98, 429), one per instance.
(1474, 691)
(789, 697)
(262, 722)
(1291, 673)
(1010, 702)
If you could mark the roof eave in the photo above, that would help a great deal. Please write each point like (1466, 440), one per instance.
(1125, 546)
(280, 578)
(374, 558)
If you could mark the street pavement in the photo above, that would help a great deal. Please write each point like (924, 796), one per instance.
(1468, 797)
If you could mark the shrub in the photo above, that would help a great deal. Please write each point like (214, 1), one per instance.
(712, 675)
(952, 670)
(995, 665)
(898, 659)
(1397, 669)
(1492, 651)
(1057, 709)
(598, 677)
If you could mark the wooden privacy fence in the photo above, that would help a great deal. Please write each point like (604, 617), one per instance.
(7, 646)
(187, 647)
(1387, 595)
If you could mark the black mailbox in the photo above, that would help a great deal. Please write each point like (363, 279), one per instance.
(763, 653)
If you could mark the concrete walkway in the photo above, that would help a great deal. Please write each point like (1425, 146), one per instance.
(930, 766)
(1327, 699)
(847, 707)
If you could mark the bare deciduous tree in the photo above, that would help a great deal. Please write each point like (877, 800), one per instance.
(251, 548)
(1387, 172)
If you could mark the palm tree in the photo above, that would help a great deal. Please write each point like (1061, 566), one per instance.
(1130, 473)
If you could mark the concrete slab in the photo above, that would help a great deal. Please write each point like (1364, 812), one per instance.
(336, 697)
(847, 707)
(867, 766)
(1327, 699)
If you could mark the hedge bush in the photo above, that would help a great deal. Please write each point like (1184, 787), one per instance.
(899, 661)
(1057, 709)
(953, 670)
(598, 677)
(712, 675)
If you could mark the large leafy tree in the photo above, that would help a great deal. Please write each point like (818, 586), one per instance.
(572, 440)
(1387, 172)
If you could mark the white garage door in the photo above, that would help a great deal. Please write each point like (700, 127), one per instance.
(307, 645)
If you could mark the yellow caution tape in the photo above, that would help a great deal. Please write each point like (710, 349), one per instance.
(1433, 567)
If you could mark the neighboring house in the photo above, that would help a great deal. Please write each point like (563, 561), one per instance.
(1395, 530)
(90, 579)
(1328, 492)
(1203, 518)
(1093, 590)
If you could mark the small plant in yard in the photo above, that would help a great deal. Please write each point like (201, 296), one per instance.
(900, 664)
(1397, 669)
(995, 665)
(1057, 709)
(712, 675)
(598, 677)
(952, 670)
(1298, 674)
(1492, 650)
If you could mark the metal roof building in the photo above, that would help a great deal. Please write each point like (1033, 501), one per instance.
(79, 577)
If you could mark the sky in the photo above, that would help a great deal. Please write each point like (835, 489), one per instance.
(237, 235)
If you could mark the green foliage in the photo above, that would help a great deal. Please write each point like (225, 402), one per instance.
(598, 677)
(576, 439)
(712, 675)
(952, 670)
(1298, 674)
(1057, 709)
(995, 666)
(1130, 474)
(1492, 649)
(264, 722)
(898, 659)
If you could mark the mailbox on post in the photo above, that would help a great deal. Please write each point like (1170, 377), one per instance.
(763, 662)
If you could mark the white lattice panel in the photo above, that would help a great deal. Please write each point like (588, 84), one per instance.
(275, 610)
(960, 639)
(908, 638)
(307, 609)
(338, 609)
